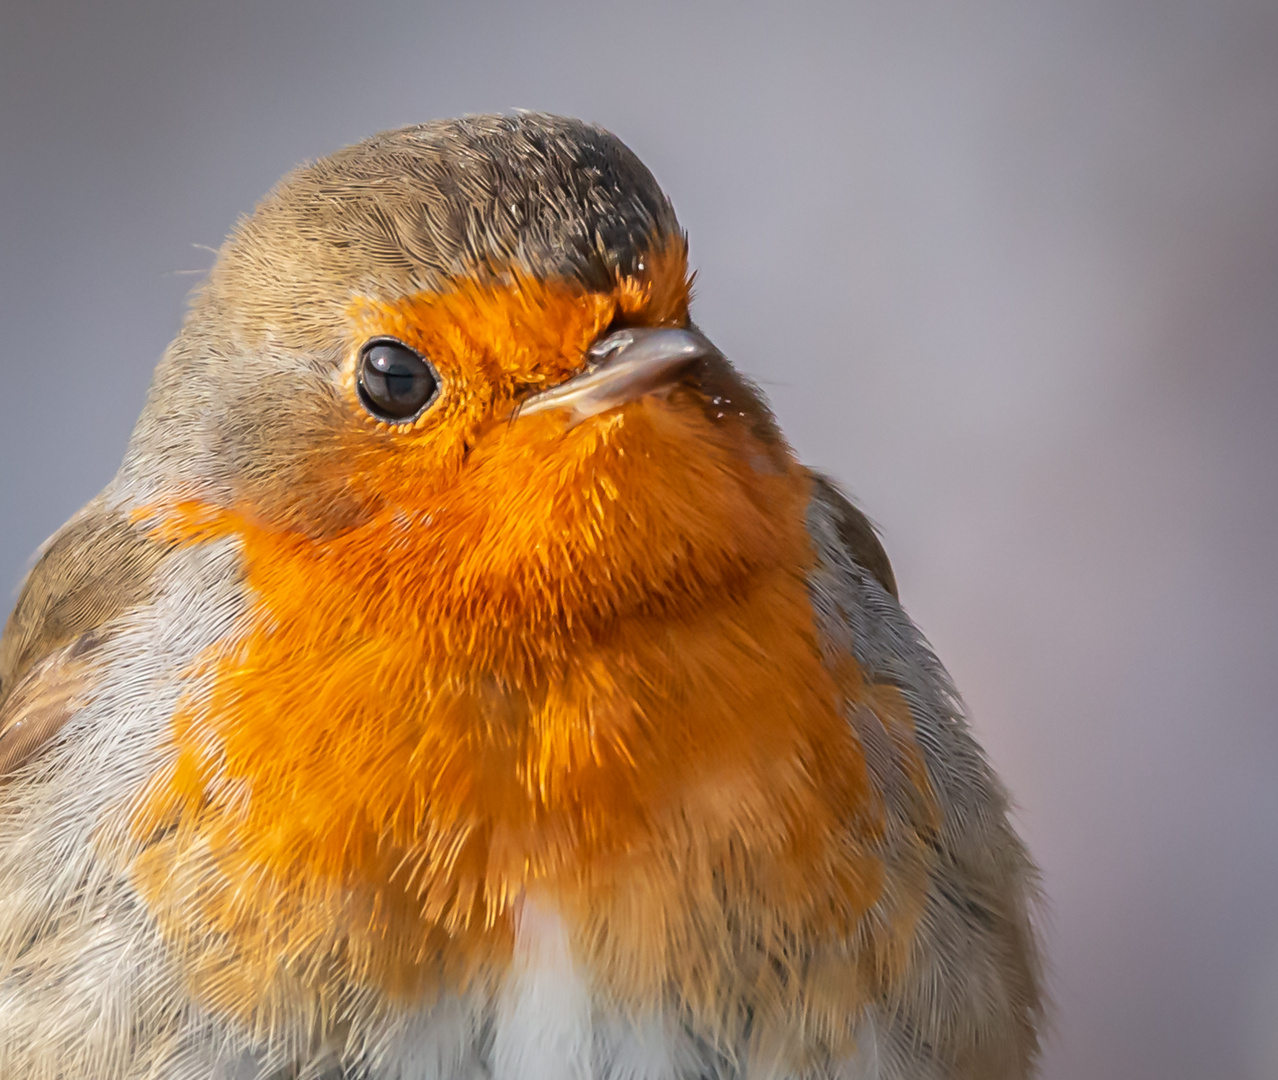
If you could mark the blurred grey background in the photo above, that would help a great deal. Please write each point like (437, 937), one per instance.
(1009, 271)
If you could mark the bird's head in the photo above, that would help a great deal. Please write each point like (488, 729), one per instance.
(458, 360)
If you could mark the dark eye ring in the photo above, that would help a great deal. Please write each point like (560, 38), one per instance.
(395, 383)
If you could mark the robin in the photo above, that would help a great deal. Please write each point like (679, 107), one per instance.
(461, 678)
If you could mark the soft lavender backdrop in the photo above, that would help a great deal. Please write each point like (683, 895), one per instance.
(1010, 271)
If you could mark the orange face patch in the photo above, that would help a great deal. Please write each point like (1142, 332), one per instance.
(576, 660)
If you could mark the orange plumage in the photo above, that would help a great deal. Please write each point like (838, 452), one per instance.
(553, 688)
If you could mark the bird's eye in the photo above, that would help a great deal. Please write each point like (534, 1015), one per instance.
(395, 383)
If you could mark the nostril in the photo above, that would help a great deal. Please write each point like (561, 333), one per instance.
(608, 346)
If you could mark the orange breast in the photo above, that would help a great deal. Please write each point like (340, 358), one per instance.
(592, 672)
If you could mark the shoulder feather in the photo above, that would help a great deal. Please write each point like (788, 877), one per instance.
(856, 532)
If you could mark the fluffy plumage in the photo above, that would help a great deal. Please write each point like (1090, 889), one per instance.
(484, 745)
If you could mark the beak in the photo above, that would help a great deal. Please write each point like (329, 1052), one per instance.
(623, 367)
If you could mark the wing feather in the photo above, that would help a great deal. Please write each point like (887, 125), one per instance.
(95, 569)
(970, 995)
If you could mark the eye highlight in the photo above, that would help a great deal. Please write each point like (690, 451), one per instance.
(394, 382)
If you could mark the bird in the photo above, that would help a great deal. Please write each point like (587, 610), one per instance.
(462, 678)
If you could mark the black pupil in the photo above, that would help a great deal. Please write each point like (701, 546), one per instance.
(394, 382)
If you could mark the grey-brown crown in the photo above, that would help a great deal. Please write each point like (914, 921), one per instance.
(405, 210)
